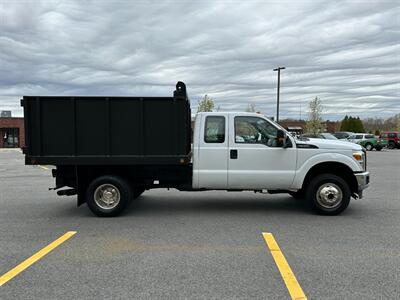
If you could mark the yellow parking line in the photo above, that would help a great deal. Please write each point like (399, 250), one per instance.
(34, 258)
(43, 167)
(290, 280)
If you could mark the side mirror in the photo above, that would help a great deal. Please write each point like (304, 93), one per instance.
(280, 137)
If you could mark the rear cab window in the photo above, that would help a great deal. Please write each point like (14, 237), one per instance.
(214, 131)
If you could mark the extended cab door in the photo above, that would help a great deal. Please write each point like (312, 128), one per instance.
(210, 168)
(255, 159)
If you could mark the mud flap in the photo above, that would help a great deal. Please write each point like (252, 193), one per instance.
(81, 186)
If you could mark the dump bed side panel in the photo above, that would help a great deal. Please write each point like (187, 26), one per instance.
(107, 130)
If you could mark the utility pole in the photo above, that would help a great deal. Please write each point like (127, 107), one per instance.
(300, 111)
(277, 93)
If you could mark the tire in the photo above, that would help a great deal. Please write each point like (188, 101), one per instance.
(137, 192)
(391, 145)
(108, 196)
(322, 191)
(368, 146)
(297, 195)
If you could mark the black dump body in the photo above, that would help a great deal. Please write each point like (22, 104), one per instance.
(83, 131)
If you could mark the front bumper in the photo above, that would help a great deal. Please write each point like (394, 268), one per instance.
(362, 181)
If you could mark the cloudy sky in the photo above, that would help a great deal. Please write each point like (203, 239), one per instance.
(347, 53)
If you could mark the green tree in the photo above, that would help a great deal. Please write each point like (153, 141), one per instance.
(359, 125)
(206, 104)
(352, 124)
(344, 124)
(315, 125)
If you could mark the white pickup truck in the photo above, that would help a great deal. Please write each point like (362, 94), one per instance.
(113, 156)
(246, 151)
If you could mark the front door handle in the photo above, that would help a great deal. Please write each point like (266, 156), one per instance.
(234, 154)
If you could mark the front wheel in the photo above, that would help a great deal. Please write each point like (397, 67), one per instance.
(391, 145)
(108, 196)
(368, 146)
(328, 194)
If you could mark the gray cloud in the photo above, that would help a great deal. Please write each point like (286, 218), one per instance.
(346, 53)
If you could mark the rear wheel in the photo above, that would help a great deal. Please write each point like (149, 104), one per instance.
(328, 194)
(368, 146)
(391, 145)
(108, 196)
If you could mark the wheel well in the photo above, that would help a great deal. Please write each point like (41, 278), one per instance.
(335, 168)
(136, 175)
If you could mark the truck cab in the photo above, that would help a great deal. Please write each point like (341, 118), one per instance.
(241, 151)
(247, 151)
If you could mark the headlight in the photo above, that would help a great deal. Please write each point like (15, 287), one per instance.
(360, 157)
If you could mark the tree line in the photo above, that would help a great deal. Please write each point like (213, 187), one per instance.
(315, 123)
(353, 124)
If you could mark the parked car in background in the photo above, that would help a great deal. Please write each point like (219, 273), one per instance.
(323, 135)
(373, 143)
(358, 137)
(343, 135)
(392, 138)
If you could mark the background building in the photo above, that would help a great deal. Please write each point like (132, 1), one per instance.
(12, 132)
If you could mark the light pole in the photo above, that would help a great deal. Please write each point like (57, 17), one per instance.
(277, 93)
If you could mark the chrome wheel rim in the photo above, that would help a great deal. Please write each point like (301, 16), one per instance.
(368, 147)
(329, 195)
(107, 196)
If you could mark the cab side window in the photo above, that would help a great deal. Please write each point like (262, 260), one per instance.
(254, 130)
(214, 131)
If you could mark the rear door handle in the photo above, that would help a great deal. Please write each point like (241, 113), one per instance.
(234, 154)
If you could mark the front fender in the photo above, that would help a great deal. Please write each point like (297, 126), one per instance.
(305, 167)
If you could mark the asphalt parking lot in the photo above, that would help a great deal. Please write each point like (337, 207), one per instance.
(209, 245)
